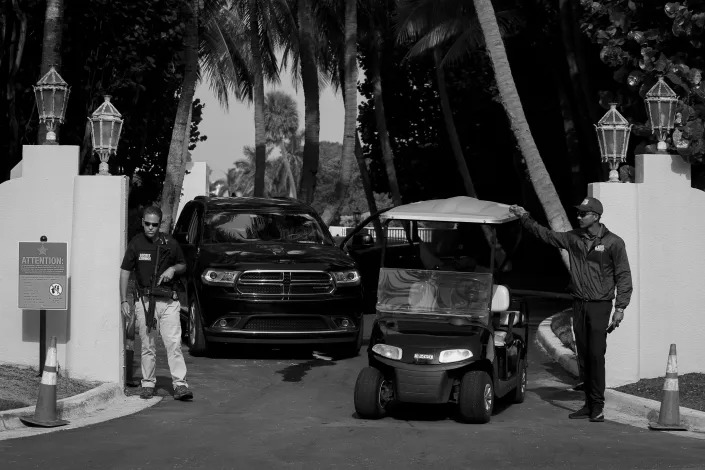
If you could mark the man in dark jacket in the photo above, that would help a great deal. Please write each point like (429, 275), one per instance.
(598, 265)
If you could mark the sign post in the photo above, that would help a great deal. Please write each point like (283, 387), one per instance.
(42, 283)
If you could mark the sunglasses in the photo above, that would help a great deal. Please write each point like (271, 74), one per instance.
(150, 224)
(583, 214)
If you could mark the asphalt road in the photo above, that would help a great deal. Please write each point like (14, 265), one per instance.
(289, 409)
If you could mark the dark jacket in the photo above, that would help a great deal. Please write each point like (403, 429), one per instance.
(597, 264)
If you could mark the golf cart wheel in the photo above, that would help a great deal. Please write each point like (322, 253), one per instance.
(522, 379)
(197, 344)
(476, 398)
(372, 393)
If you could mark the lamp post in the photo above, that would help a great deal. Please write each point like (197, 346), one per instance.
(357, 216)
(661, 107)
(51, 94)
(613, 136)
(106, 124)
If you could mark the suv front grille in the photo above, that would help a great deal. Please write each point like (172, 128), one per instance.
(285, 324)
(285, 283)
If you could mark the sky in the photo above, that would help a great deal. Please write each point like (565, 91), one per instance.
(229, 131)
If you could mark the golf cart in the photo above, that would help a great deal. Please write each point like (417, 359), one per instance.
(443, 330)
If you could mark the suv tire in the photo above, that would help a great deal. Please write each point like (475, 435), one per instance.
(520, 390)
(197, 344)
(476, 398)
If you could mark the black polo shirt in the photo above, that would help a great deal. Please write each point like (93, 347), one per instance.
(141, 255)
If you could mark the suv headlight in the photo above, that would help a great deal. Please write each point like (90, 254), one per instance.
(346, 278)
(454, 355)
(219, 277)
(391, 352)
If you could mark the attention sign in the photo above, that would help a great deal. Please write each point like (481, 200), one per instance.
(43, 276)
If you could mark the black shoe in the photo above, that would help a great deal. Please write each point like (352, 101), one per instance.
(597, 415)
(582, 413)
(147, 393)
(182, 392)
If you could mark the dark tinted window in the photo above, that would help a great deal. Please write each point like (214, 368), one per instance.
(239, 227)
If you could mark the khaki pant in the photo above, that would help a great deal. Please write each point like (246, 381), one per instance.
(169, 326)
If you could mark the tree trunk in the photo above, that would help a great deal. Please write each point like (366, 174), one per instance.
(367, 187)
(174, 178)
(51, 50)
(586, 101)
(312, 118)
(258, 96)
(450, 126)
(350, 125)
(381, 120)
(540, 179)
(290, 181)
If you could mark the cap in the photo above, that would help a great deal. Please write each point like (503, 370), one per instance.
(590, 204)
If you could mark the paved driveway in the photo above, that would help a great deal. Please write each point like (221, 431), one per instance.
(294, 410)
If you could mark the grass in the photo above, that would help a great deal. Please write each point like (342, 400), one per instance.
(691, 386)
(20, 387)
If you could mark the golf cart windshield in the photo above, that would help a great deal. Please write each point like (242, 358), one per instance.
(423, 292)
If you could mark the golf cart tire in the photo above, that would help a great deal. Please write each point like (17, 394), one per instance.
(522, 379)
(367, 394)
(471, 400)
(197, 343)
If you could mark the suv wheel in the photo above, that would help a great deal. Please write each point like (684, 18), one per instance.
(197, 344)
(476, 399)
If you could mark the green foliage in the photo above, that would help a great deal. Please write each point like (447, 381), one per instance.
(641, 40)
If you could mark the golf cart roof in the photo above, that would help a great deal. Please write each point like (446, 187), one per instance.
(454, 209)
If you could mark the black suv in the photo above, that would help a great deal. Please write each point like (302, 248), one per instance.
(266, 271)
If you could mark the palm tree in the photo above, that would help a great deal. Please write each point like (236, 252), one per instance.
(450, 21)
(281, 122)
(540, 179)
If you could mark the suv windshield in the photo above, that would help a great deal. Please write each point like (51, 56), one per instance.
(239, 227)
(412, 291)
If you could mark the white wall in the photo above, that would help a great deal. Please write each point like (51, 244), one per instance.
(46, 197)
(660, 218)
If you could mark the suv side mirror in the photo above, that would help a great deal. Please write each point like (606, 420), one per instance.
(362, 239)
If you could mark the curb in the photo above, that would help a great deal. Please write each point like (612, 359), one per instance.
(70, 408)
(638, 407)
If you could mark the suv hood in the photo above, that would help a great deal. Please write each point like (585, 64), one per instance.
(292, 254)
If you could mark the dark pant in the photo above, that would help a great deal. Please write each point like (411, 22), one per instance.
(590, 325)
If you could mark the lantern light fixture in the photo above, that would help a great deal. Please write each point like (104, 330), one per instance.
(106, 125)
(613, 137)
(51, 94)
(661, 103)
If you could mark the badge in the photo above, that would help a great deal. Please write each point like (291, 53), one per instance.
(600, 248)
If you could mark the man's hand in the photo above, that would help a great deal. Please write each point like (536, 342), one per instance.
(617, 316)
(126, 311)
(167, 275)
(517, 210)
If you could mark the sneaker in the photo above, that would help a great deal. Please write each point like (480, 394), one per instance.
(597, 415)
(582, 413)
(147, 393)
(182, 392)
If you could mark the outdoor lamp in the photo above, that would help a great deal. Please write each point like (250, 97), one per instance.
(613, 136)
(106, 124)
(661, 107)
(357, 215)
(51, 93)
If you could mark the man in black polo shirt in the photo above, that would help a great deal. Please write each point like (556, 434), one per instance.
(141, 257)
(598, 267)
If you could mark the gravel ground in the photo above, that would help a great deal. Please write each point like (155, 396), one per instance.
(691, 386)
(20, 387)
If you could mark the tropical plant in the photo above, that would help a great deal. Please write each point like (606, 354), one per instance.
(643, 40)
(281, 122)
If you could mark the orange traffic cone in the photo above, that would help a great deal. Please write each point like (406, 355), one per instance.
(669, 418)
(45, 411)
